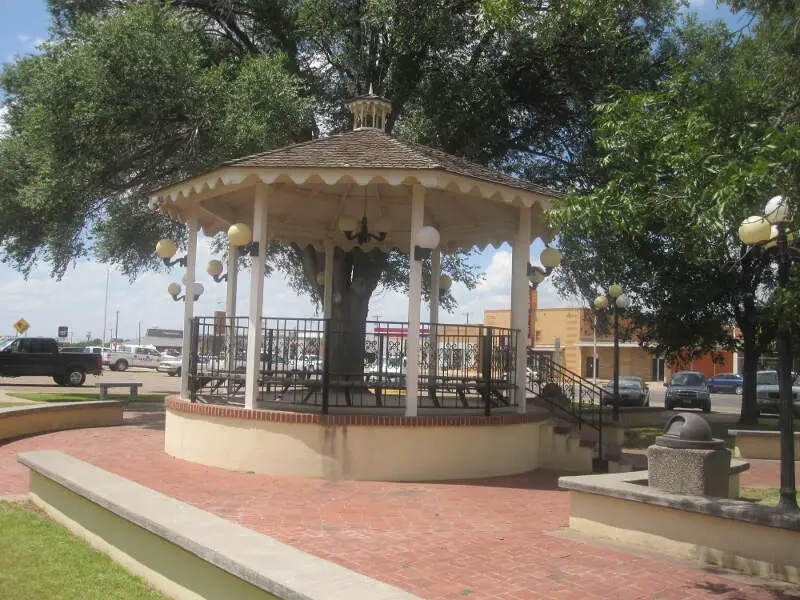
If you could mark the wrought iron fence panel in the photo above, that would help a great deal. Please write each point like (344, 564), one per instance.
(316, 364)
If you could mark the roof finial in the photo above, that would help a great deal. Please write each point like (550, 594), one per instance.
(370, 111)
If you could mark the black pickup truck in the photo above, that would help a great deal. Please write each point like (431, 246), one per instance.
(30, 356)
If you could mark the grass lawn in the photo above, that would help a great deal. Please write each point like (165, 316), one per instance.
(7, 404)
(41, 559)
(84, 397)
(642, 437)
(765, 496)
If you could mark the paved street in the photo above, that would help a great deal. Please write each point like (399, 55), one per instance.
(153, 383)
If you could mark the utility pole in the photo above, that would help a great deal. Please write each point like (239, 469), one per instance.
(140, 333)
(116, 327)
(105, 308)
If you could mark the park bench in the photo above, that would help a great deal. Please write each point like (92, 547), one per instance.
(131, 385)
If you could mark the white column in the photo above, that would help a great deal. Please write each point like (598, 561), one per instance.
(230, 307)
(254, 326)
(327, 301)
(414, 302)
(188, 306)
(436, 271)
(521, 249)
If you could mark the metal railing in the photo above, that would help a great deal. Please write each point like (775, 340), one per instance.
(320, 364)
(569, 395)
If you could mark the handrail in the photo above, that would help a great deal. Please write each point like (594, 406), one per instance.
(568, 394)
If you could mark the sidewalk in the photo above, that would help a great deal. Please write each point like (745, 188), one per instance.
(494, 539)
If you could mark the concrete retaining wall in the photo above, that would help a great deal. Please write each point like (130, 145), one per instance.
(29, 419)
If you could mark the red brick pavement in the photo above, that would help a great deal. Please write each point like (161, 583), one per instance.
(487, 540)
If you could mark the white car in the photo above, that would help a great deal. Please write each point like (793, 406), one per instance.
(311, 362)
(171, 366)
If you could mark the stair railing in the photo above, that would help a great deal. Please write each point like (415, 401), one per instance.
(569, 395)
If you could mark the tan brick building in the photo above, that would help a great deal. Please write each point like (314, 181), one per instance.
(570, 332)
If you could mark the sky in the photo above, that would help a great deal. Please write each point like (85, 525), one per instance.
(93, 300)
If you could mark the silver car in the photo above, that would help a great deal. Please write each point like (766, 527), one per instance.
(171, 366)
(767, 394)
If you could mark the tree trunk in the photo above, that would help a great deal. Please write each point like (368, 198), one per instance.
(749, 413)
(355, 276)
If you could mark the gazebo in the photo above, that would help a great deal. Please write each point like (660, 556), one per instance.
(366, 189)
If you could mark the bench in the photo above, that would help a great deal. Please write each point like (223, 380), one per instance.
(104, 387)
(181, 550)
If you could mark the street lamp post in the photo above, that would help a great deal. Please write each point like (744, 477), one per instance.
(769, 232)
(618, 301)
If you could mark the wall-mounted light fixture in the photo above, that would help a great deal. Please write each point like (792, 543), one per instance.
(215, 268)
(174, 289)
(166, 249)
(550, 259)
(444, 284)
(240, 234)
(425, 241)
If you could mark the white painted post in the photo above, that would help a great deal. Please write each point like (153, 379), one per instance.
(414, 302)
(254, 325)
(230, 310)
(436, 271)
(188, 306)
(327, 300)
(521, 250)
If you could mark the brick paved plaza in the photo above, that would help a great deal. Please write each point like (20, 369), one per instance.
(491, 539)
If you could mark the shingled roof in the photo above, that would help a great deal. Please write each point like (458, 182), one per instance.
(373, 149)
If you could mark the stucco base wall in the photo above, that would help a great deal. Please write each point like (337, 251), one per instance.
(753, 549)
(762, 444)
(42, 418)
(355, 452)
(171, 570)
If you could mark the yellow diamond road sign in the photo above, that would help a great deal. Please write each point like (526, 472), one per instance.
(21, 326)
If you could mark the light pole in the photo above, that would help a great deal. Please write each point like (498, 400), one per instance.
(769, 232)
(618, 301)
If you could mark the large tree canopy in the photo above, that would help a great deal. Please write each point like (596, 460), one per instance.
(128, 95)
(683, 165)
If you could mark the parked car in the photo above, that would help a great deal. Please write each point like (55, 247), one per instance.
(41, 357)
(394, 368)
(131, 355)
(633, 391)
(311, 362)
(726, 383)
(687, 389)
(171, 366)
(767, 394)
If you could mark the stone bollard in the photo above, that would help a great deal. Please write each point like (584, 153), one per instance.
(687, 460)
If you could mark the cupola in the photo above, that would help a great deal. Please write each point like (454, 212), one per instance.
(370, 111)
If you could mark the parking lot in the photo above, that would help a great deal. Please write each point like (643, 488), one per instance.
(152, 382)
(161, 383)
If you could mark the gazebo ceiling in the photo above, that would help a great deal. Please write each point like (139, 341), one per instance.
(362, 172)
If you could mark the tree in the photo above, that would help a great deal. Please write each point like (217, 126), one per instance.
(683, 165)
(129, 95)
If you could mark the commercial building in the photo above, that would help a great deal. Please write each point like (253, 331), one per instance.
(568, 335)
